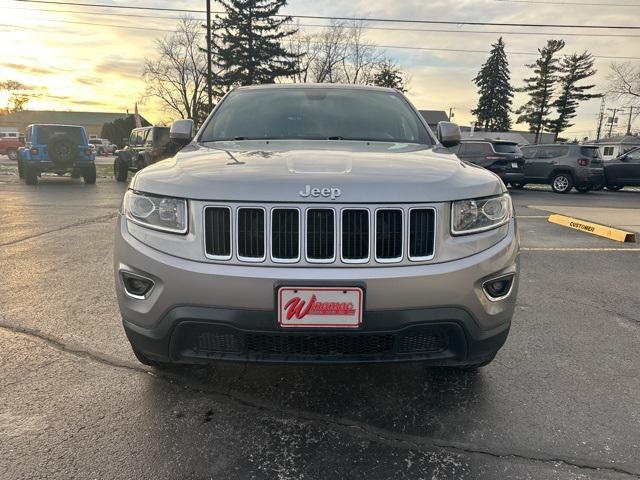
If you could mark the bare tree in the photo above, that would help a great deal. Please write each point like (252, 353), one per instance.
(305, 50)
(332, 51)
(624, 83)
(338, 54)
(178, 75)
(19, 95)
(362, 58)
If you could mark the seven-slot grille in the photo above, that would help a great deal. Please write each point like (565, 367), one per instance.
(320, 234)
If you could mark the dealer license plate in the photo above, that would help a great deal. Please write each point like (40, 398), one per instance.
(331, 307)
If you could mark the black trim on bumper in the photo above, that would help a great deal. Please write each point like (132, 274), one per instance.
(439, 336)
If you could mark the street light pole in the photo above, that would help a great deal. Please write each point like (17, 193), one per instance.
(209, 93)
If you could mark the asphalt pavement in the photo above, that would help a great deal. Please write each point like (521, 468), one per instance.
(561, 400)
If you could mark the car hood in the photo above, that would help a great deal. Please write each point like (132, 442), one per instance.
(277, 171)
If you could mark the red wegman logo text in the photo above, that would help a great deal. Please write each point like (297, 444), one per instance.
(300, 308)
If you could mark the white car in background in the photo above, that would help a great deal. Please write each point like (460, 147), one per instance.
(102, 146)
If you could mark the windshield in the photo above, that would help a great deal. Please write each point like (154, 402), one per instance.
(315, 114)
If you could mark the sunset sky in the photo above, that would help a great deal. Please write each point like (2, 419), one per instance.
(90, 59)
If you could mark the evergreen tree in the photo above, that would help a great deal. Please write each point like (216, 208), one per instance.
(389, 75)
(249, 43)
(495, 90)
(574, 68)
(119, 130)
(540, 88)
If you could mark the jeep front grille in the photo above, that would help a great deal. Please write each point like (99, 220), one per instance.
(218, 232)
(251, 241)
(389, 235)
(421, 235)
(326, 235)
(285, 234)
(355, 235)
(321, 235)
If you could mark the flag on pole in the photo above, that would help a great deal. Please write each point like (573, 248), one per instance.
(137, 117)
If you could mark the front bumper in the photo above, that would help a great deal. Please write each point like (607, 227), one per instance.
(198, 311)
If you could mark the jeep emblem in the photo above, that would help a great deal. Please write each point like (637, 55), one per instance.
(327, 192)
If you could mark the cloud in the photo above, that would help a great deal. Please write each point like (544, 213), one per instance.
(123, 67)
(37, 70)
(90, 81)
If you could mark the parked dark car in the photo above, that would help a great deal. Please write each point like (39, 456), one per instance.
(59, 149)
(498, 156)
(624, 170)
(146, 145)
(563, 166)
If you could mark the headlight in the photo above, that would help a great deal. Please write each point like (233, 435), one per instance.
(478, 215)
(167, 214)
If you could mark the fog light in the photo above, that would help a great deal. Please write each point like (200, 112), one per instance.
(136, 286)
(499, 288)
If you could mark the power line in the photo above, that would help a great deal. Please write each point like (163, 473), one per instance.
(390, 47)
(365, 27)
(357, 19)
(393, 47)
(548, 2)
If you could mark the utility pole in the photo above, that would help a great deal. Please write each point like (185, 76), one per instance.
(613, 118)
(209, 94)
(629, 123)
(451, 113)
(600, 119)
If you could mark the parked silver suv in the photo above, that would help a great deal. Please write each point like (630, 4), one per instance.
(316, 223)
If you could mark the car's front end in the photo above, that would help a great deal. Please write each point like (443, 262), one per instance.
(316, 251)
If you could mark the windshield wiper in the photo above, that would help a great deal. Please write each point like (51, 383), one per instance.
(336, 137)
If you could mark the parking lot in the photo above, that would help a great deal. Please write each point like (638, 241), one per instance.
(561, 401)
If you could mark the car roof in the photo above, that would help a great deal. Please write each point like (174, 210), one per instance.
(324, 86)
(54, 125)
(488, 140)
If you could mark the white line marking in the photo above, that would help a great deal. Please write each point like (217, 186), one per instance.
(578, 249)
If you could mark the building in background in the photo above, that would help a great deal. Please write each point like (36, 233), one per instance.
(91, 121)
(613, 146)
(432, 117)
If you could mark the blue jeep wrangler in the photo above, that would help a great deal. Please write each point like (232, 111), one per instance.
(56, 148)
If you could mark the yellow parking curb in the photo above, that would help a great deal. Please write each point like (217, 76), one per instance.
(593, 228)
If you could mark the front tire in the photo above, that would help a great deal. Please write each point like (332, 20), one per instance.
(12, 154)
(120, 170)
(20, 169)
(89, 174)
(562, 182)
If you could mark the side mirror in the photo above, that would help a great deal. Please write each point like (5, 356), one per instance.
(448, 134)
(181, 131)
(623, 158)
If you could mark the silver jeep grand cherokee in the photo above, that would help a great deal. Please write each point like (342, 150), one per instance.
(316, 223)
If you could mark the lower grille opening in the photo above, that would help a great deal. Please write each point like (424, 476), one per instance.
(205, 340)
